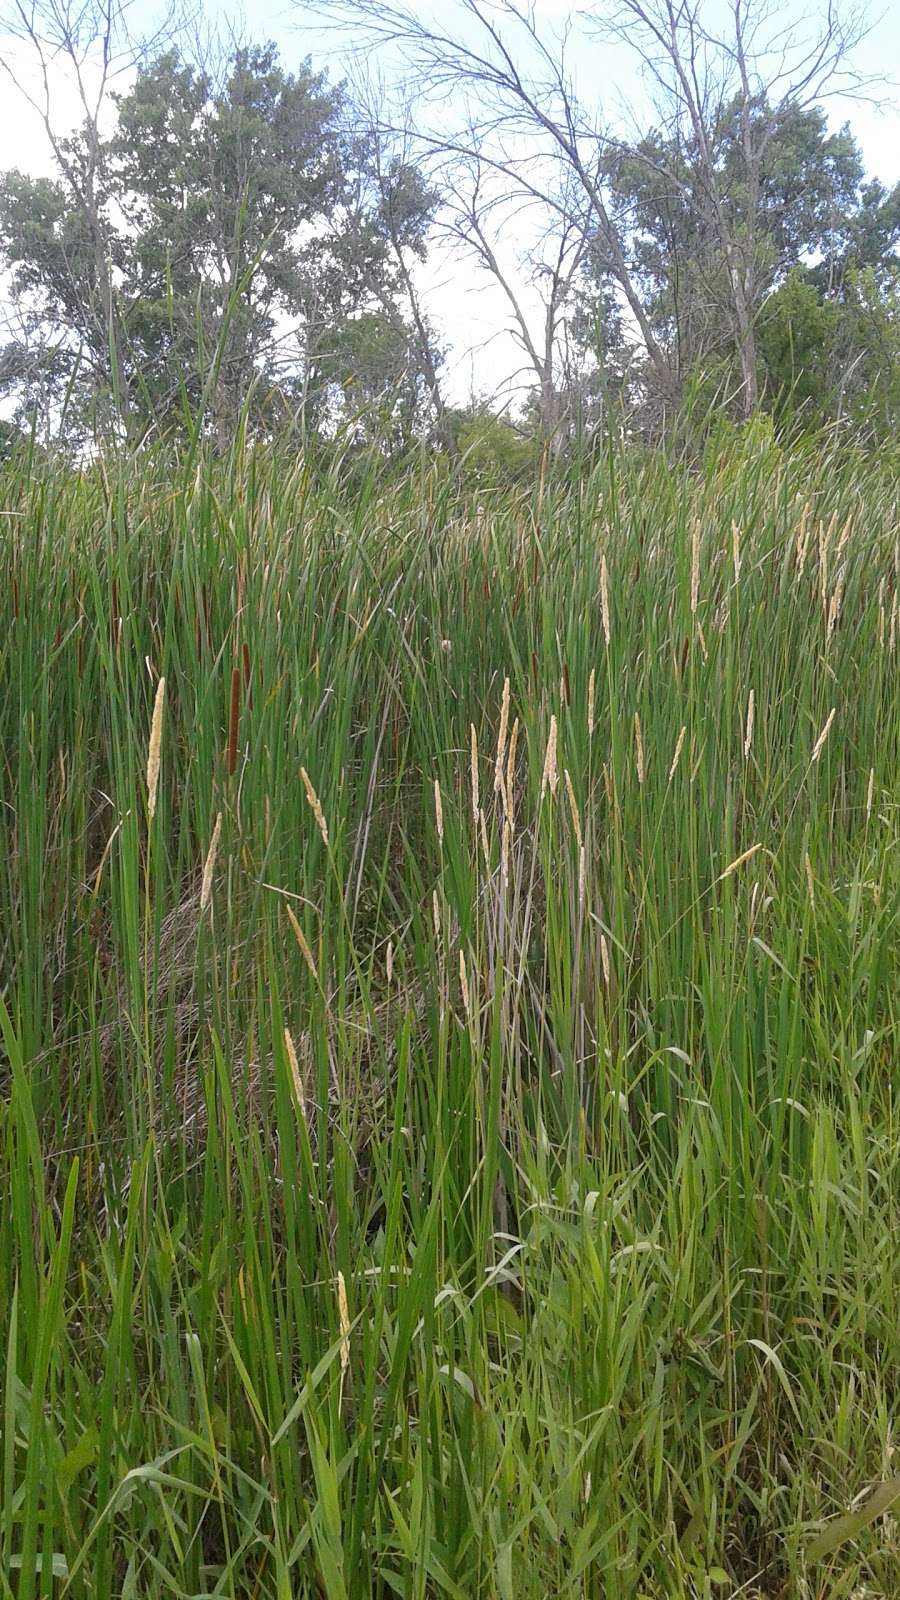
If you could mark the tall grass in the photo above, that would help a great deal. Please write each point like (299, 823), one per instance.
(448, 1132)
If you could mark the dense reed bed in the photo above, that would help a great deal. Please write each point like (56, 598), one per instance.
(448, 1097)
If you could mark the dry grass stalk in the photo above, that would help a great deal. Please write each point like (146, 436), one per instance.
(436, 914)
(590, 703)
(153, 749)
(748, 727)
(438, 813)
(209, 865)
(582, 874)
(511, 772)
(736, 551)
(303, 943)
(604, 956)
(473, 742)
(501, 739)
(639, 748)
(550, 775)
(389, 961)
(315, 806)
(677, 756)
(870, 793)
(817, 747)
(504, 853)
(604, 601)
(485, 847)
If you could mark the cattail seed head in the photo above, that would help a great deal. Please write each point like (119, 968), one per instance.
(677, 756)
(604, 601)
(810, 882)
(344, 1321)
(464, 981)
(438, 813)
(153, 749)
(209, 865)
(604, 956)
(550, 777)
(573, 807)
(590, 703)
(302, 943)
(501, 739)
(315, 806)
(695, 568)
(748, 726)
(870, 793)
(817, 747)
(296, 1077)
(638, 748)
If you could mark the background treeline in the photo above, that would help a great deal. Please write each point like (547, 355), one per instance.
(225, 235)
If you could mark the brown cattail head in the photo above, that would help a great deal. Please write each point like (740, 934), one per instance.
(153, 750)
(234, 713)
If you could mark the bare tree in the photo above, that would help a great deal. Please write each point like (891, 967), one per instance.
(503, 96)
(479, 217)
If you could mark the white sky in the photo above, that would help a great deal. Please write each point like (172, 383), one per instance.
(469, 311)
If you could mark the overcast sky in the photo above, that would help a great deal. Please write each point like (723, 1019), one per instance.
(469, 311)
